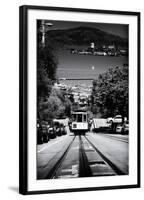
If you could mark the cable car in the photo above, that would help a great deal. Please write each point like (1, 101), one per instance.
(79, 122)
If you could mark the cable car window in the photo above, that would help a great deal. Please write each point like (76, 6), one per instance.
(79, 119)
(84, 118)
(74, 117)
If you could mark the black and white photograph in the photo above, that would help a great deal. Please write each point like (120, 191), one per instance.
(79, 111)
(82, 99)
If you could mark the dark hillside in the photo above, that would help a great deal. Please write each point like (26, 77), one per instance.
(83, 36)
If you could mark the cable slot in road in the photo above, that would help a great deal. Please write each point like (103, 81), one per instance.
(84, 168)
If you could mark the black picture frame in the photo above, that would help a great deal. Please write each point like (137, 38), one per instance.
(23, 97)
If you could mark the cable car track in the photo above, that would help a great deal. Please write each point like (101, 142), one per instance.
(84, 168)
(110, 163)
(91, 161)
(53, 171)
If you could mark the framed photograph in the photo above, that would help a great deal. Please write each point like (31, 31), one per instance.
(79, 99)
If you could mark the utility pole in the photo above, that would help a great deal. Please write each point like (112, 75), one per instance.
(44, 27)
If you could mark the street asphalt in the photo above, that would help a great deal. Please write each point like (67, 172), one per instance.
(113, 146)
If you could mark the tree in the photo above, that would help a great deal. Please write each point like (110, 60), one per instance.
(56, 106)
(51, 103)
(46, 70)
(110, 92)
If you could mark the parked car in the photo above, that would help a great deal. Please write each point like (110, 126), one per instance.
(109, 120)
(51, 132)
(45, 133)
(119, 128)
(125, 127)
(57, 128)
(39, 134)
(42, 132)
(116, 119)
(63, 130)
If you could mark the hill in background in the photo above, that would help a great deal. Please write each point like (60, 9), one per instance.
(83, 36)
